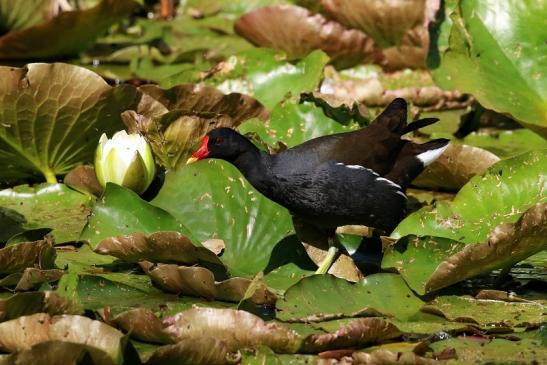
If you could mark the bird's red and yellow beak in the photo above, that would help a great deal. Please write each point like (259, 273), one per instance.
(201, 153)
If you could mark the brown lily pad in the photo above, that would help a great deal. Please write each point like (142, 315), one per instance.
(515, 241)
(200, 282)
(198, 351)
(58, 352)
(173, 135)
(25, 332)
(67, 34)
(23, 304)
(237, 328)
(196, 98)
(455, 167)
(297, 32)
(84, 179)
(356, 333)
(32, 277)
(143, 325)
(387, 357)
(38, 254)
(165, 247)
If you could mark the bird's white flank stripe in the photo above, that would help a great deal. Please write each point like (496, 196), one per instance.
(357, 167)
(389, 182)
(428, 157)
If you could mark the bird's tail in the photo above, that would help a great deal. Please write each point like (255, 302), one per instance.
(394, 118)
(413, 158)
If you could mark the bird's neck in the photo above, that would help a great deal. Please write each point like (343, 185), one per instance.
(254, 164)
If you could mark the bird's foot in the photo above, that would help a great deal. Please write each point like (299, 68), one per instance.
(327, 262)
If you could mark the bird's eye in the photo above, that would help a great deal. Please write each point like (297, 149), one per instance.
(218, 140)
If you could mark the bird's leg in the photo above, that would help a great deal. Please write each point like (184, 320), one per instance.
(332, 255)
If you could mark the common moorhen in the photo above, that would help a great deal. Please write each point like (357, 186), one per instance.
(356, 177)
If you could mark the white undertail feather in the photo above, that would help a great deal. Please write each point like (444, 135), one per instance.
(428, 157)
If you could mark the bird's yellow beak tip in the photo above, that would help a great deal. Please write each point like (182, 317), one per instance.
(191, 160)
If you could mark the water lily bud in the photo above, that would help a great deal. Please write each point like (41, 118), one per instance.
(126, 160)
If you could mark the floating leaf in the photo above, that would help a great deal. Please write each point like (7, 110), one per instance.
(68, 33)
(122, 211)
(494, 55)
(24, 332)
(497, 350)
(501, 195)
(237, 328)
(264, 74)
(51, 115)
(143, 325)
(165, 247)
(455, 167)
(487, 312)
(39, 254)
(200, 282)
(297, 32)
(216, 202)
(24, 304)
(432, 263)
(356, 333)
(84, 179)
(379, 294)
(49, 205)
(199, 351)
(31, 277)
(386, 357)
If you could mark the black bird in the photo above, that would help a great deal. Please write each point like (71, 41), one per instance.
(356, 177)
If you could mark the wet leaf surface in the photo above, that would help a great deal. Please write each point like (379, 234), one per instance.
(200, 282)
(165, 247)
(49, 205)
(501, 195)
(487, 312)
(264, 74)
(379, 294)
(16, 258)
(481, 49)
(121, 211)
(217, 202)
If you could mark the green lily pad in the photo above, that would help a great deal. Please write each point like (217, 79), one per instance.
(497, 54)
(495, 351)
(68, 33)
(121, 211)
(294, 123)
(267, 76)
(51, 115)
(431, 263)
(501, 195)
(378, 294)
(17, 15)
(487, 312)
(214, 201)
(49, 205)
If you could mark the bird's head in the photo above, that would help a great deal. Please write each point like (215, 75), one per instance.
(222, 143)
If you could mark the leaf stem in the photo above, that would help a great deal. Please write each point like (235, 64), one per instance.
(50, 176)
